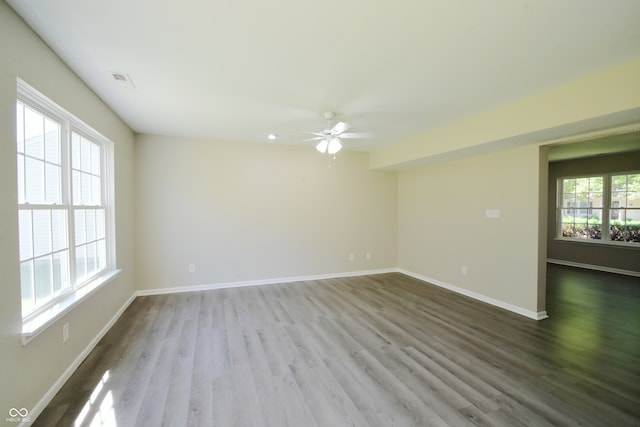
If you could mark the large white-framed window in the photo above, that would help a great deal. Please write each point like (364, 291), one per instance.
(600, 208)
(65, 208)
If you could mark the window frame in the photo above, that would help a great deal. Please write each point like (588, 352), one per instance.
(42, 316)
(605, 234)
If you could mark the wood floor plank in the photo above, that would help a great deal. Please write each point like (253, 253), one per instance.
(381, 350)
(329, 404)
(371, 401)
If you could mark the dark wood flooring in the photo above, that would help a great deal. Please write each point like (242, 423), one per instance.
(383, 350)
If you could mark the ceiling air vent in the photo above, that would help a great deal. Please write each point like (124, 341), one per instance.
(123, 80)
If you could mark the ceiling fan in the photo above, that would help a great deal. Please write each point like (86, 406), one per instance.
(330, 139)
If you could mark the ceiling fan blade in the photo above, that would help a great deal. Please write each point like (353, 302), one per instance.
(362, 135)
(313, 133)
(339, 128)
(316, 138)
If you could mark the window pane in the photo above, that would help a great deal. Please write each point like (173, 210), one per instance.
(102, 254)
(568, 186)
(568, 229)
(568, 215)
(26, 286)
(593, 227)
(34, 133)
(595, 184)
(569, 200)
(96, 191)
(96, 160)
(618, 198)
(34, 183)
(25, 234)
(41, 232)
(91, 258)
(75, 151)
(86, 189)
(581, 231)
(80, 227)
(53, 189)
(43, 276)
(51, 141)
(100, 224)
(77, 188)
(617, 216)
(567, 222)
(90, 216)
(60, 271)
(619, 183)
(582, 185)
(59, 229)
(582, 199)
(625, 225)
(81, 262)
(85, 155)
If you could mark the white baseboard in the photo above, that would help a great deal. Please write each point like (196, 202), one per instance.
(226, 285)
(498, 303)
(594, 267)
(44, 401)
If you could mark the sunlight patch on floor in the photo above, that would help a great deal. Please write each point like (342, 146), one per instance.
(98, 411)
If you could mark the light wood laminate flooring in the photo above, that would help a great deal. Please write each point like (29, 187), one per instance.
(381, 350)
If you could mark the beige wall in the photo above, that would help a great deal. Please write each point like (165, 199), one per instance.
(442, 225)
(243, 212)
(28, 372)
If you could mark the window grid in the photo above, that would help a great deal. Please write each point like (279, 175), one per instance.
(600, 208)
(582, 203)
(61, 196)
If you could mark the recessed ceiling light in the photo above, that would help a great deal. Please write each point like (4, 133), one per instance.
(272, 136)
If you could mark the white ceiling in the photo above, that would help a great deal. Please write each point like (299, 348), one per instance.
(239, 69)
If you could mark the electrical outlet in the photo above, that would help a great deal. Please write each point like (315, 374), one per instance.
(352, 256)
(463, 270)
(192, 268)
(65, 332)
(369, 255)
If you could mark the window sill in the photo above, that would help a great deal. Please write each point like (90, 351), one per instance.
(41, 322)
(598, 243)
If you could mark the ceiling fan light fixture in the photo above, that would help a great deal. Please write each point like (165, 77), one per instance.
(322, 146)
(334, 146)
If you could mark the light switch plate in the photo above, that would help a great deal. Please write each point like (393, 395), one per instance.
(492, 213)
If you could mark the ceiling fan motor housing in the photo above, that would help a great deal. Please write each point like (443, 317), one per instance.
(329, 116)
